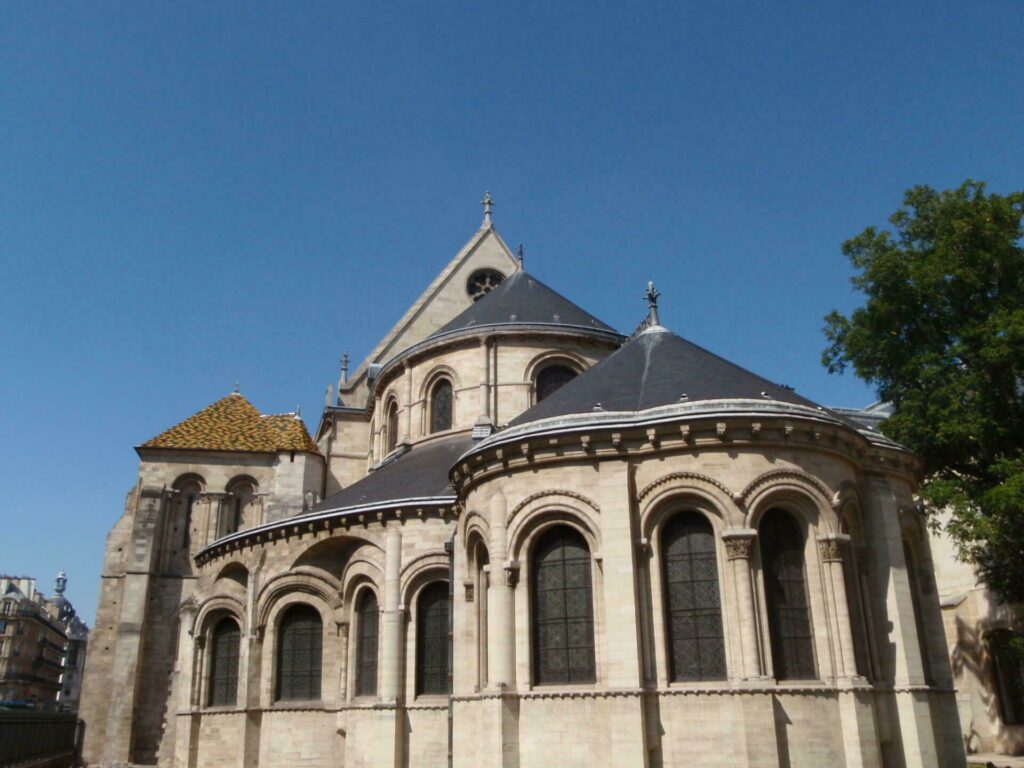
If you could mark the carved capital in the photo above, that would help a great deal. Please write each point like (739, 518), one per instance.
(830, 547)
(739, 543)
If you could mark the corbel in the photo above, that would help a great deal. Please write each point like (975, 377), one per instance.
(684, 432)
(787, 430)
(585, 443)
(512, 573)
(652, 437)
(755, 429)
(720, 429)
(617, 439)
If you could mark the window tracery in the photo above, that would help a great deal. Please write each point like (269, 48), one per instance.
(482, 282)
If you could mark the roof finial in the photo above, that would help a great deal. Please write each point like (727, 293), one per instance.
(652, 304)
(235, 391)
(298, 411)
(61, 583)
(487, 202)
(344, 367)
(519, 255)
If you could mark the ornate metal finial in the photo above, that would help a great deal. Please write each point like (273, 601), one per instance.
(235, 391)
(487, 202)
(344, 367)
(61, 583)
(519, 255)
(652, 304)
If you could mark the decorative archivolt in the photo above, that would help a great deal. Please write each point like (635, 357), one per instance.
(226, 603)
(782, 475)
(441, 371)
(420, 571)
(553, 492)
(685, 477)
(551, 357)
(298, 580)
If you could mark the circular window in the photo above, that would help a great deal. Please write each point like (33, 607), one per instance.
(482, 282)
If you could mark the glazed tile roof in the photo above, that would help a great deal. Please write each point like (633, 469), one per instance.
(233, 424)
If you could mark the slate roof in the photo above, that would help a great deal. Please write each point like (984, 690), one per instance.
(522, 299)
(233, 424)
(421, 472)
(654, 369)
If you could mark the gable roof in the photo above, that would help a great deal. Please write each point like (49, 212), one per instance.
(522, 299)
(233, 424)
(657, 368)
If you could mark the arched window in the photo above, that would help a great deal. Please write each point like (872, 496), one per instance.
(785, 591)
(441, 406)
(366, 644)
(392, 427)
(552, 378)
(563, 616)
(693, 611)
(224, 648)
(1008, 668)
(299, 650)
(187, 493)
(915, 602)
(236, 511)
(432, 673)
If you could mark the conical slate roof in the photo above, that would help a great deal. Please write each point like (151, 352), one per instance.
(653, 369)
(522, 299)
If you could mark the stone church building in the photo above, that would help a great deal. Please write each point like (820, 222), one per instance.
(518, 537)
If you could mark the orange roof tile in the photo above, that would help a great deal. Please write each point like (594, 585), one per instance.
(233, 424)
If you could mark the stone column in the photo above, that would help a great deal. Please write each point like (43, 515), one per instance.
(186, 662)
(392, 624)
(485, 379)
(501, 667)
(408, 402)
(830, 551)
(739, 543)
(343, 682)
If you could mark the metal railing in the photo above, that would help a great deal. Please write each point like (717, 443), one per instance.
(32, 737)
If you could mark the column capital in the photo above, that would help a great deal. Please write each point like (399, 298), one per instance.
(738, 542)
(830, 546)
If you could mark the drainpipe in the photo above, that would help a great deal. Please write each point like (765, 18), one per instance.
(449, 548)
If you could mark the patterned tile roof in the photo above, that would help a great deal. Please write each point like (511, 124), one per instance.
(233, 424)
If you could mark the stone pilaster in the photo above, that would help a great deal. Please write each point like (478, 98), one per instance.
(501, 666)
(739, 545)
(830, 552)
(392, 624)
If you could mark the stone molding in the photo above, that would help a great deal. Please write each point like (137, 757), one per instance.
(786, 474)
(739, 543)
(647, 489)
(551, 492)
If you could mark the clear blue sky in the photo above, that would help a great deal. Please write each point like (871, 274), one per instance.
(197, 193)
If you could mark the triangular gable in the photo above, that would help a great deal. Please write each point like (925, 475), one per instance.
(442, 300)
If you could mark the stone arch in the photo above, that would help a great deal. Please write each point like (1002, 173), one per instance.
(568, 498)
(189, 477)
(299, 583)
(420, 571)
(663, 496)
(439, 371)
(798, 492)
(529, 525)
(216, 606)
(235, 572)
(553, 357)
(474, 522)
(241, 479)
(329, 555)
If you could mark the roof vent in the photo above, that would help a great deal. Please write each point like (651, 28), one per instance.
(483, 427)
(597, 407)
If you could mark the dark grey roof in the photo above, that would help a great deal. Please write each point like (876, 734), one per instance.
(522, 299)
(421, 472)
(657, 368)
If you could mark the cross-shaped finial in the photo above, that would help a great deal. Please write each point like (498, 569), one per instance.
(236, 388)
(652, 304)
(487, 202)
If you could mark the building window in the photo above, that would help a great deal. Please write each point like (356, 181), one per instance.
(432, 674)
(392, 426)
(441, 406)
(1008, 667)
(915, 602)
(693, 611)
(237, 512)
(299, 652)
(224, 649)
(366, 644)
(3, 627)
(789, 620)
(482, 282)
(563, 618)
(552, 378)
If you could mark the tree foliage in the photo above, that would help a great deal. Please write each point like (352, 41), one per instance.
(941, 337)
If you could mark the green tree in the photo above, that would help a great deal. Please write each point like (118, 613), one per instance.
(941, 337)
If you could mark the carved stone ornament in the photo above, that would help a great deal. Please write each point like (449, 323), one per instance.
(738, 544)
(829, 551)
(468, 585)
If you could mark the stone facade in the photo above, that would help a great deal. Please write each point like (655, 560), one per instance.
(299, 576)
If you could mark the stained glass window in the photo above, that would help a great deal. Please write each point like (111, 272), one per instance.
(693, 608)
(789, 620)
(563, 619)
(366, 644)
(482, 282)
(441, 406)
(299, 651)
(432, 674)
(552, 378)
(224, 651)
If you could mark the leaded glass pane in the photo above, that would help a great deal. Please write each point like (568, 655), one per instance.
(692, 603)
(441, 406)
(299, 657)
(366, 645)
(224, 651)
(552, 378)
(789, 620)
(432, 674)
(563, 624)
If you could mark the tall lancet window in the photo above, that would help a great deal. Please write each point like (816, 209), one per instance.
(563, 614)
(391, 425)
(693, 611)
(785, 591)
(366, 648)
(224, 650)
(441, 406)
